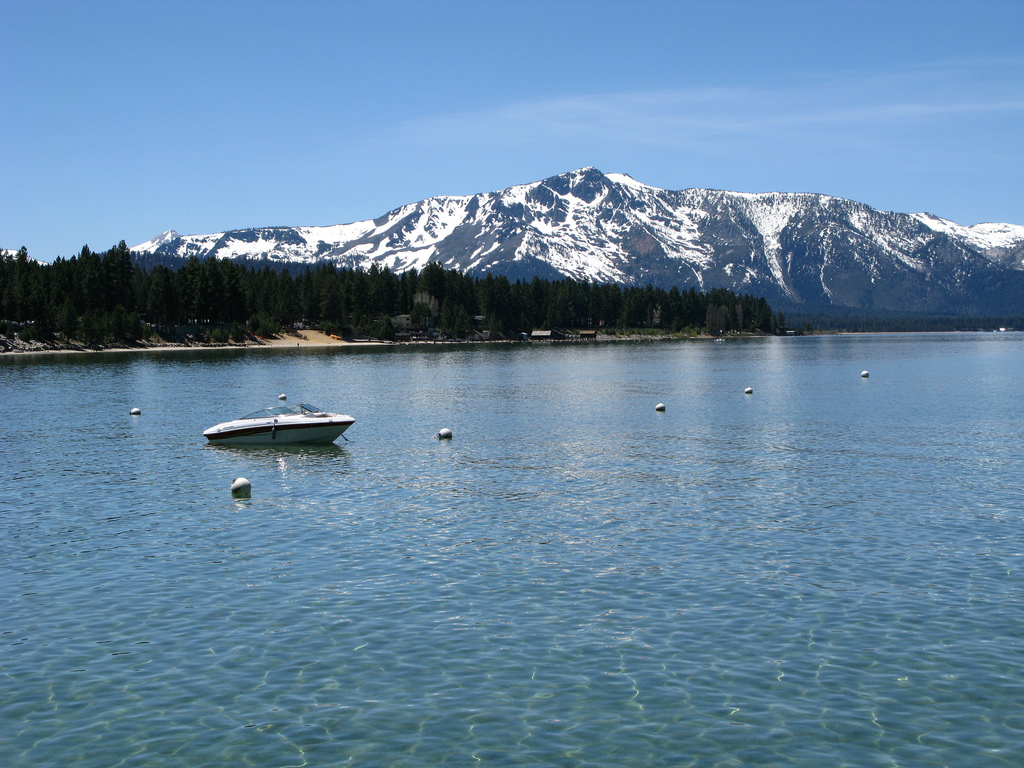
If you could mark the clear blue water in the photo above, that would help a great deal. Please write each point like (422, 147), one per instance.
(825, 572)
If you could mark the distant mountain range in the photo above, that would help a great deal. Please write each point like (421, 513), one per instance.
(806, 251)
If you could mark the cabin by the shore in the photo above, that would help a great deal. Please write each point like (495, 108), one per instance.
(552, 335)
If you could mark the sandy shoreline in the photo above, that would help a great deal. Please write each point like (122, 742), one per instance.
(292, 339)
(289, 339)
(317, 339)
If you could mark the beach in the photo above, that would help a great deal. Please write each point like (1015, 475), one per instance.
(306, 338)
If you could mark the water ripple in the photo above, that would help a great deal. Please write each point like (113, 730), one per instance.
(826, 572)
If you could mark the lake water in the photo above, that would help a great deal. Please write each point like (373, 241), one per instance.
(826, 572)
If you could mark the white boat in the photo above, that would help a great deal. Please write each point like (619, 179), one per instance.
(282, 425)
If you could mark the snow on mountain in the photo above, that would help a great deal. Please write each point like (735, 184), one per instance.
(1000, 242)
(796, 249)
(151, 246)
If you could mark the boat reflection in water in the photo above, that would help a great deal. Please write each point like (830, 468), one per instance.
(282, 425)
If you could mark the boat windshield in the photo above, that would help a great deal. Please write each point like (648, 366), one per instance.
(277, 410)
(283, 410)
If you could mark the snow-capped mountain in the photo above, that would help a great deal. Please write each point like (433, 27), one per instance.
(805, 250)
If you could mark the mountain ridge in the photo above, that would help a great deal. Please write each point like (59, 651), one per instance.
(799, 250)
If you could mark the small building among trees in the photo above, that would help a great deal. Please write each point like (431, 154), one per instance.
(552, 335)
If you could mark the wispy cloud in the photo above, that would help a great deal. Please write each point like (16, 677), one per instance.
(798, 109)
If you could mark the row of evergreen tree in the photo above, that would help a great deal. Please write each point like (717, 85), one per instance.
(109, 296)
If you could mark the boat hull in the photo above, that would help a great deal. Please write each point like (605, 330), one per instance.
(323, 432)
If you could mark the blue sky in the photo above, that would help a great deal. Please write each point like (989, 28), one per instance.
(119, 120)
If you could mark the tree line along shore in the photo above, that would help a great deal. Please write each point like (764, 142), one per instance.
(100, 298)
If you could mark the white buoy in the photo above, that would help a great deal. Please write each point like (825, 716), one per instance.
(136, 412)
(241, 487)
(864, 374)
(282, 396)
(444, 434)
(748, 391)
(659, 407)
